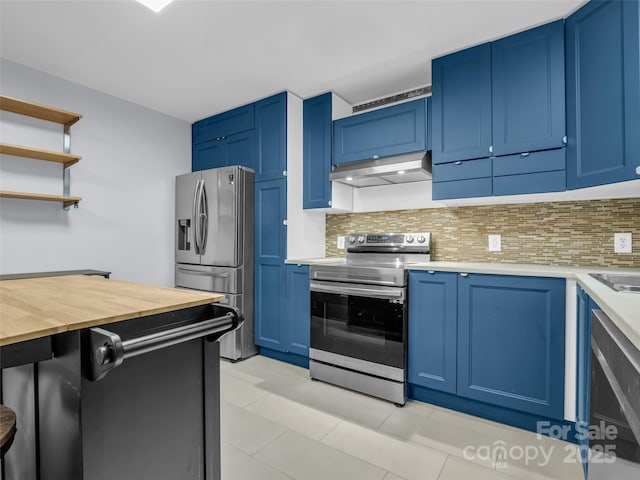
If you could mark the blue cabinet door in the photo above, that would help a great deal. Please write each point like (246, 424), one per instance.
(270, 252)
(241, 149)
(603, 104)
(316, 158)
(381, 133)
(271, 137)
(461, 105)
(583, 377)
(462, 179)
(433, 330)
(228, 123)
(528, 100)
(298, 301)
(211, 154)
(511, 332)
(235, 149)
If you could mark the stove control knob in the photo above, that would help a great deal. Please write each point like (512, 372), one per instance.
(361, 239)
(409, 239)
(421, 239)
(352, 239)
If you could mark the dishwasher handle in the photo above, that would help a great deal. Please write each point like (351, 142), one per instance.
(108, 351)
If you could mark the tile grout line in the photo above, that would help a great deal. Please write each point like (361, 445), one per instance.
(443, 465)
(342, 420)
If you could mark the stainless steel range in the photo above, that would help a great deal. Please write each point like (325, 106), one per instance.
(359, 313)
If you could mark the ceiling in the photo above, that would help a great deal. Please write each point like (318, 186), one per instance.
(200, 57)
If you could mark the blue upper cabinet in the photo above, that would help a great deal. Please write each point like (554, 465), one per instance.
(432, 330)
(270, 251)
(461, 105)
(298, 301)
(238, 149)
(317, 151)
(381, 133)
(241, 149)
(233, 121)
(528, 100)
(603, 89)
(511, 334)
(211, 154)
(271, 137)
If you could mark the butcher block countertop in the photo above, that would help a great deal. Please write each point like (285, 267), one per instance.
(39, 307)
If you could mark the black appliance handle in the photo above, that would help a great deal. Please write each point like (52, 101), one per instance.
(108, 351)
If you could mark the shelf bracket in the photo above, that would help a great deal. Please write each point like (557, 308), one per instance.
(66, 171)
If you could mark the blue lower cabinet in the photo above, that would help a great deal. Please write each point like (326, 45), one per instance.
(511, 333)
(432, 334)
(583, 378)
(270, 252)
(298, 304)
(268, 309)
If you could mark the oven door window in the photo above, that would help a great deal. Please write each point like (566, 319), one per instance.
(370, 329)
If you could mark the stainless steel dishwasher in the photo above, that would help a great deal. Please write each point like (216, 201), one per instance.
(615, 402)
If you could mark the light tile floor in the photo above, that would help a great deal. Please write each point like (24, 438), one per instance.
(277, 424)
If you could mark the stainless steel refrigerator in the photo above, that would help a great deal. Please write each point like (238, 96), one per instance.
(214, 244)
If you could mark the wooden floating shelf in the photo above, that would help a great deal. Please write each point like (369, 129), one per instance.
(28, 152)
(67, 201)
(37, 110)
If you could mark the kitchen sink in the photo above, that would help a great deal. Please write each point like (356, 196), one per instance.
(619, 282)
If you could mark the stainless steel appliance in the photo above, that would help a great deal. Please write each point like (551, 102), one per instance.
(614, 405)
(214, 244)
(359, 314)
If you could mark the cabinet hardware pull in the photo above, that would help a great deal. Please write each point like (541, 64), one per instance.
(459, 162)
(524, 154)
(490, 148)
(464, 274)
(108, 351)
(375, 157)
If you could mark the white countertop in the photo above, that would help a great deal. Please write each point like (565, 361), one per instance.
(622, 308)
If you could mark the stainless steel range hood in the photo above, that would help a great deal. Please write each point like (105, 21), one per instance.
(412, 167)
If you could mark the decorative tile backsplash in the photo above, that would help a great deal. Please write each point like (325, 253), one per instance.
(578, 233)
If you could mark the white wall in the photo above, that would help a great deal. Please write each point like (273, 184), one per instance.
(130, 156)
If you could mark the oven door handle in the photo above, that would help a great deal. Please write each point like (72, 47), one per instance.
(371, 291)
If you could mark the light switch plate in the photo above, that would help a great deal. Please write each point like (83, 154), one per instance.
(495, 243)
(622, 243)
(340, 242)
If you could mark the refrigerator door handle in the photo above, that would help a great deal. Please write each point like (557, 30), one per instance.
(204, 217)
(207, 274)
(194, 213)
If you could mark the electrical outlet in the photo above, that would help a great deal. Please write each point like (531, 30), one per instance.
(495, 243)
(622, 243)
(340, 242)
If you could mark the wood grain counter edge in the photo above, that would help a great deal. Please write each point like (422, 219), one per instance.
(40, 307)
